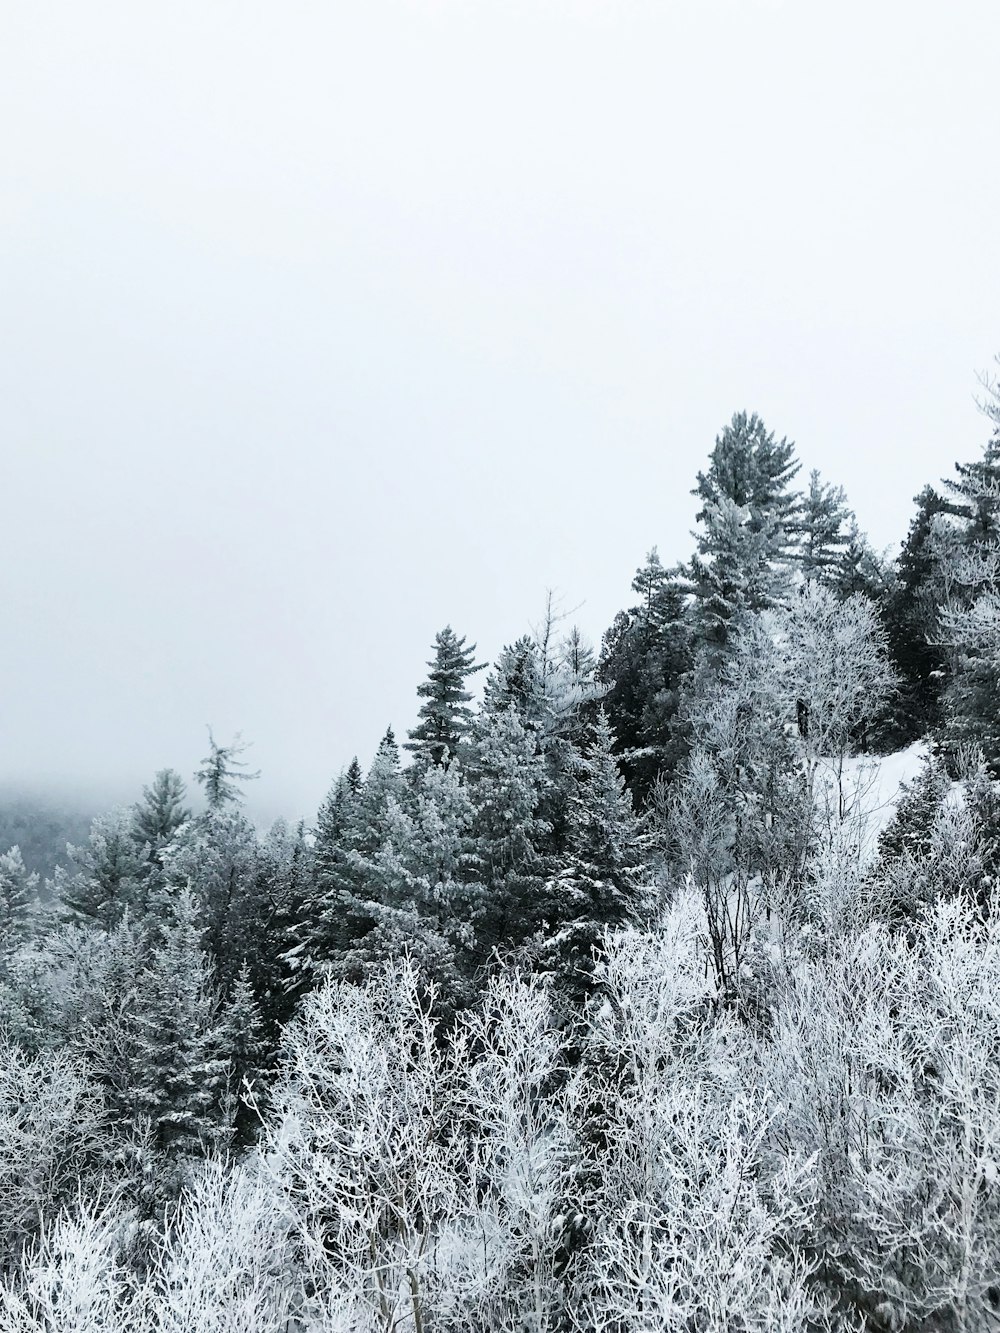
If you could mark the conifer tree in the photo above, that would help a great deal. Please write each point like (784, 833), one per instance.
(445, 715)
(747, 523)
(161, 811)
(861, 569)
(420, 889)
(975, 495)
(241, 1040)
(217, 858)
(598, 886)
(516, 682)
(156, 820)
(18, 893)
(753, 470)
(356, 828)
(645, 656)
(823, 530)
(274, 909)
(911, 614)
(970, 611)
(508, 782)
(109, 872)
(219, 772)
(182, 1066)
(318, 932)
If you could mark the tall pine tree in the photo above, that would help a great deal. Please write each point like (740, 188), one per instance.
(445, 715)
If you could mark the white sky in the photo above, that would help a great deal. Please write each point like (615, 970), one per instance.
(322, 325)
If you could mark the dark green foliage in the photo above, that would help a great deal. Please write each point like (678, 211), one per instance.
(516, 682)
(748, 521)
(910, 612)
(645, 656)
(161, 811)
(241, 1039)
(598, 886)
(182, 1063)
(824, 531)
(445, 715)
(750, 468)
(909, 832)
(272, 908)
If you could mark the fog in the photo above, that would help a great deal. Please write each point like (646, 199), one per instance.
(322, 325)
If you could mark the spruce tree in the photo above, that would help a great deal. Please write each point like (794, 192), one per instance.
(216, 857)
(421, 890)
(598, 885)
(274, 909)
(508, 780)
(241, 1040)
(356, 829)
(911, 614)
(182, 1064)
(445, 715)
(645, 656)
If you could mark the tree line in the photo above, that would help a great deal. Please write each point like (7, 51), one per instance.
(600, 1003)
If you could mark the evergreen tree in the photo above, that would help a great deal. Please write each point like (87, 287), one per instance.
(747, 520)
(445, 714)
(109, 872)
(508, 781)
(219, 772)
(420, 889)
(156, 819)
(975, 495)
(645, 656)
(755, 471)
(318, 932)
(733, 573)
(241, 1039)
(356, 828)
(861, 569)
(182, 1066)
(273, 909)
(821, 530)
(970, 612)
(18, 895)
(216, 858)
(598, 886)
(516, 682)
(161, 811)
(910, 611)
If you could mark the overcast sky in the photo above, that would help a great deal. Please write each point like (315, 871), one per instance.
(322, 325)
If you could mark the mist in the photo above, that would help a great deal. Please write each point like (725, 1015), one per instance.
(322, 326)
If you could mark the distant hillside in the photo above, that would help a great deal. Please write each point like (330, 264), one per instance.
(41, 826)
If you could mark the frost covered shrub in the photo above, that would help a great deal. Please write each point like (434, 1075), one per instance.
(886, 1057)
(51, 1134)
(686, 1223)
(360, 1140)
